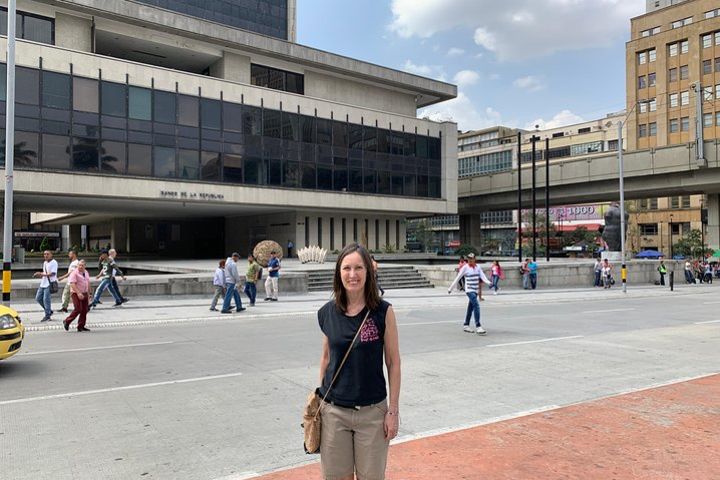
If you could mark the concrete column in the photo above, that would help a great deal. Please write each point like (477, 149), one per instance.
(75, 236)
(470, 230)
(232, 67)
(292, 21)
(73, 32)
(119, 235)
(712, 236)
(65, 238)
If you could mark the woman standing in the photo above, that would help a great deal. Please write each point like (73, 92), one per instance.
(358, 419)
(497, 274)
(607, 274)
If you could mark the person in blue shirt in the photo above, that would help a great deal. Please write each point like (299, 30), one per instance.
(532, 266)
(271, 283)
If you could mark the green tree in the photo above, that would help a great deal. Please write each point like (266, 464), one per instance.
(421, 231)
(465, 248)
(691, 245)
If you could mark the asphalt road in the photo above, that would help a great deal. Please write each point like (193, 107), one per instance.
(222, 399)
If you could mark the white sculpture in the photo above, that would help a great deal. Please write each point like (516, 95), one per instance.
(313, 254)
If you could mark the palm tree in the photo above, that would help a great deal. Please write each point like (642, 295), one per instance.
(24, 157)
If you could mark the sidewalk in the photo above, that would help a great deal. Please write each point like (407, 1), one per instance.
(668, 432)
(151, 310)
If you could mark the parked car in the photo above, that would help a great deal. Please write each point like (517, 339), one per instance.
(12, 332)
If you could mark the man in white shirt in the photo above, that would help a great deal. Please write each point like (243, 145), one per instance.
(48, 274)
(72, 255)
(473, 275)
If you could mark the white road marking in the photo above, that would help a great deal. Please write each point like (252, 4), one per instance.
(89, 349)
(710, 303)
(119, 389)
(610, 311)
(534, 341)
(428, 323)
(709, 321)
(239, 476)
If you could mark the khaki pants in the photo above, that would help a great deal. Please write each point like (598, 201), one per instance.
(271, 287)
(66, 296)
(353, 441)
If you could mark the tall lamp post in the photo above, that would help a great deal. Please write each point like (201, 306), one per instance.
(623, 271)
(670, 232)
(9, 155)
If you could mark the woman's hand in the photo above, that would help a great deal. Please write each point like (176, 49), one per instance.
(392, 424)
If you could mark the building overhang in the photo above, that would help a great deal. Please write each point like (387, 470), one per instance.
(84, 194)
(426, 90)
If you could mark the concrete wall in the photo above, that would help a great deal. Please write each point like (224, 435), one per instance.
(374, 242)
(73, 32)
(348, 91)
(232, 67)
(554, 275)
(242, 233)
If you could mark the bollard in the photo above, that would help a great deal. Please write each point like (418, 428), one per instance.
(672, 281)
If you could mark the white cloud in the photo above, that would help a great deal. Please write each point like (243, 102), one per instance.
(530, 83)
(432, 71)
(455, 52)
(462, 111)
(561, 119)
(520, 29)
(466, 78)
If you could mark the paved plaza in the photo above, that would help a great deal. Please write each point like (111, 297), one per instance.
(567, 384)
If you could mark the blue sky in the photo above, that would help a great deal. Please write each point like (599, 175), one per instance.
(516, 63)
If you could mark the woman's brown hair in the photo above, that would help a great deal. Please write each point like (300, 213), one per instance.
(372, 297)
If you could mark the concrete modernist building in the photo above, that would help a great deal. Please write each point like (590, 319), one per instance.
(192, 131)
(673, 53)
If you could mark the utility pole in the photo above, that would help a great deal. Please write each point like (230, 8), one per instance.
(699, 132)
(534, 139)
(547, 199)
(9, 155)
(623, 271)
(519, 211)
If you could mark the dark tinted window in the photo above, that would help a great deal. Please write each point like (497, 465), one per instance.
(85, 94)
(139, 159)
(210, 113)
(252, 120)
(113, 99)
(55, 152)
(164, 103)
(271, 123)
(112, 158)
(26, 149)
(56, 90)
(139, 103)
(30, 26)
(324, 131)
(210, 166)
(188, 164)
(277, 79)
(232, 117)
(232, 168)
(188, 110)
(307, 128)
(291, 126)
(85, 154)
(27, 86)
(164, 162)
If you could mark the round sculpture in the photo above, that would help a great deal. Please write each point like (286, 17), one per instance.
(262, 250)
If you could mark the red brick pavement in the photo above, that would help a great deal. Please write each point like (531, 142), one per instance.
(665, 433)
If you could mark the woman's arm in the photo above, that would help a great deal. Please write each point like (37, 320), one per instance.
(392, 362)
(324, 358)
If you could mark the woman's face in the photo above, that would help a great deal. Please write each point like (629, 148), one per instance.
(353, 273)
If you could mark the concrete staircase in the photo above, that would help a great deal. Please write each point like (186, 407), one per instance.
(390, 278)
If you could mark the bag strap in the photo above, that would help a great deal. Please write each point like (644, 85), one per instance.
(347, 354)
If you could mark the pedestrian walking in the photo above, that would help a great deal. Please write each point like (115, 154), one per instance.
(708, 277)
(112, 253)
(252, 275)
(358, 417)
(688, 272)
(290, 246)
(532, 269)
(232, 278)
(271, 282)
(218, 285)
(496, 274)
(107, 265)
(461, 263)
(72, 255)
(377, 275)
(662, 270)
(48, 278)
(473, 275)
(607, 274)
(79, 282)
(525, 273)
(597, 270)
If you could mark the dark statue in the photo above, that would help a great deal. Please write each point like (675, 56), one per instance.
(611, 232)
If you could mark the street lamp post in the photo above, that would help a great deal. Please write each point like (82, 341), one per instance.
(623, 271)
(9, 155)
(670, 232)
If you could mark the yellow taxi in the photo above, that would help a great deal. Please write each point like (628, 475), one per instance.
(12, 332)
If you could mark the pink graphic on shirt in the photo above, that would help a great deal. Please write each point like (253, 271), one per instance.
(370, 332)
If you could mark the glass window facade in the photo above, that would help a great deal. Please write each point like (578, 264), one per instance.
(267, 17)
(30, 27)
(269, 77)
(485, 164)
(118, 129)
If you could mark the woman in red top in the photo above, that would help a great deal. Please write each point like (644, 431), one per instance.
(497, 274)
